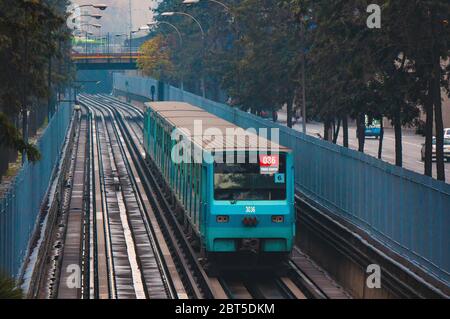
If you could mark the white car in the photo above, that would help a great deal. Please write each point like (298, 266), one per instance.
(447, 133)
(446, 150)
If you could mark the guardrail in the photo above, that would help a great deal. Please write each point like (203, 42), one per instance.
(21, 203)
(405, 211)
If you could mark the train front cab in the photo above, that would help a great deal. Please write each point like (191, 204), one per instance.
(249, 210)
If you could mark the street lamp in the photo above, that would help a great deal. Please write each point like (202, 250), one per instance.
(170, 14)
(130, 38)
(214, 1)
(227, 9)
(75, 12)
(95, 16)
(155, 23)
(126, 35)
(95, 25)
(101, 7)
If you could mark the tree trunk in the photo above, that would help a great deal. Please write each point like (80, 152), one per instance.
(274, 116)
(440, 166)
(436, 97)
(336, 131)
(345, 130)
(360, 131)
(429, 133)
(398, 139)
(327, 131)
(49, 84)
(380, 144)
(289, 113)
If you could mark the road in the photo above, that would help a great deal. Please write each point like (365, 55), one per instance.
(412, 145)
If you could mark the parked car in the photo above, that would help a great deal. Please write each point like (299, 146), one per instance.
(265, 114)
(269, 115)
(373, 128)
(447, 133)
(446, 150)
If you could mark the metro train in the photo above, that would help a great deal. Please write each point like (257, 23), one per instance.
(236, 197)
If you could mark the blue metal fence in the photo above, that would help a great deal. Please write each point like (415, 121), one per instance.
(406, 211)
(20, 204)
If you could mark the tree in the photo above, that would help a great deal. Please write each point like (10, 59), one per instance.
(31, 32)
(265, 75)
(352, 71)
(8, 288)
(424, 33)
(10, 136)
(398, 66)
(155, 59)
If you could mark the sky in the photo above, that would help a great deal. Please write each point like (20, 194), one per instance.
(115, 19)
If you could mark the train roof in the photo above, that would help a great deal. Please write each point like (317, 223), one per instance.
(183, 116)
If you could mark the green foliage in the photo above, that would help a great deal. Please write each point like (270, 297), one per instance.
(11, 137)
(255, 53)
(8, 288)
(155, 59)
(32, 33)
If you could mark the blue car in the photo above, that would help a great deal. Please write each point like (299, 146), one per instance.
(373, 129)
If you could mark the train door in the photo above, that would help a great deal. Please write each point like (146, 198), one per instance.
(203, 211)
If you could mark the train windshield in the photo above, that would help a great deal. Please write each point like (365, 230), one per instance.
(250, 181)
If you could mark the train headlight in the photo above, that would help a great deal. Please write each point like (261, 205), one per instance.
(223, 219)
(278, 219)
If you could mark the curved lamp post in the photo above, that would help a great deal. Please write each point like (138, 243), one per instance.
(155, 23)
(95, 16)
(101, 7)
(170, 14)
(214, 1)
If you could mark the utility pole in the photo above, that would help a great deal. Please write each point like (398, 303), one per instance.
(130, 12)
(130, 9)
(304, 93)
(49, 84)
(304, 80)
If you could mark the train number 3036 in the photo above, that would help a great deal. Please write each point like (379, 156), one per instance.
(250, 209)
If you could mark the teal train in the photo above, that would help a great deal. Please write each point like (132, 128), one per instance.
(234, 188)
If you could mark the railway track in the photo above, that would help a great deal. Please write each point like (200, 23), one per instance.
(304, 278)
(194, 278)
(105, 246)
(136, 265)
(118, 232)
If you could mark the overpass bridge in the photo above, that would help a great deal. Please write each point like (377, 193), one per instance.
(105, 58)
